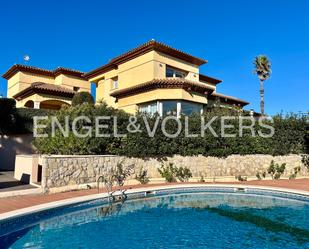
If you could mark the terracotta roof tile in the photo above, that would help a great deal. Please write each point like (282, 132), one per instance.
(45, 88)
(206, 78)
(164, 83)
(230, 98)
(142, 49)
(36, 70)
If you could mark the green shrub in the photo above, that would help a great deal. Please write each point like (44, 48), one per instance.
(241, 178)
(202, 179)
(71, 144)
(183, 174)
(82, 97)
(142, 176)
(290, 136)
(24, 118)
(169, 172)
(305, 161)
(18, 120)
(296, 171)
(121, 173)
(259, 175)
(276, 170)
(7, 114)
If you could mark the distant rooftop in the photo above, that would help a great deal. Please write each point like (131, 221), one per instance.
(36, 70)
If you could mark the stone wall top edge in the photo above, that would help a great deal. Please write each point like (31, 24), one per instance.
(93, 156)
(76, 156)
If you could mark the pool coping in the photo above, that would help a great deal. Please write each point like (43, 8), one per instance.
(91, 197)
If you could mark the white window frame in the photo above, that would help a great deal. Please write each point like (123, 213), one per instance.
(115, 83)
(175, 71)
(149, 107)
(178, 108)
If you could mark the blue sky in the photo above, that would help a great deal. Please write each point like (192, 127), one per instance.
(229, 34)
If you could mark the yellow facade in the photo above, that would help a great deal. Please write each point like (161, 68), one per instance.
(119, 82)
(23, 80)
(144, 68)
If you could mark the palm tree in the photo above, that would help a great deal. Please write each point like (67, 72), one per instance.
(263, 71)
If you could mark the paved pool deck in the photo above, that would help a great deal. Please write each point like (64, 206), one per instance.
(19, 202)
(9, 183)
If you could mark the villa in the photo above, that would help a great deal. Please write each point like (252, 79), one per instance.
(44, 89)
(151, 78)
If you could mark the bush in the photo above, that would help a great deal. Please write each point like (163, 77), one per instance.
(305, 161)
(18, 120)
(241, 178)
(73, 145)
(183, 174)
(276, 170)
(296, 171)
(171, 173)
(7, 113)
(82, 97)
(259, 175)
(168, 172)
(24, 119)
(142, 176)
(290, 136)
(121, 173)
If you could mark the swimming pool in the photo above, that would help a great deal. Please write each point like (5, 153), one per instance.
(173, 218)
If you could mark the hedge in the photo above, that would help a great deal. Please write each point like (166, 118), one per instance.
(7, 112)
(82, 97)
(24, 119)
(290, 136)
(18, 120)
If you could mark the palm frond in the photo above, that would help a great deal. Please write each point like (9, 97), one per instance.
(262, 67)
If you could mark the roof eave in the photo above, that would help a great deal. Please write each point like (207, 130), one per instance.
(31, 91)
(209, 79)
(150, 46)
(40, 71)
(231, 99)
(157, 84)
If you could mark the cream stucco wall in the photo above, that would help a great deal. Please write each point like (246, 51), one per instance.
(26, 168)
(70, 82)
(41, 98)
(163, 60)
(103, 90)
(149, 66)
(22, 80)
(130, 103)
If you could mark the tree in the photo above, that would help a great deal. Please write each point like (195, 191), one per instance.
(263, 71)
(82, 97)
(7, 112)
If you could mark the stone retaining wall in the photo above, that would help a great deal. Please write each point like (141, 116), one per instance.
(71, 172)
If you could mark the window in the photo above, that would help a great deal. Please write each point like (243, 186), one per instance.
(188, 108)
(115, 83)
(174, 73)
(179, 107)
(169, 107)
(75, 89)
(169, 73)
(151, 108)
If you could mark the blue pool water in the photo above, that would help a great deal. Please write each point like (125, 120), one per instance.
(170, 220)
